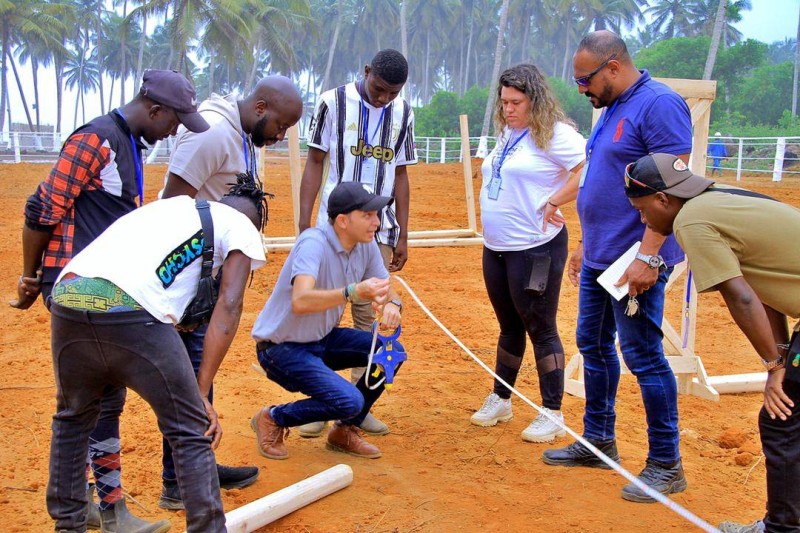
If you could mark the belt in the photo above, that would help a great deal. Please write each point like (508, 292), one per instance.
(263, 346)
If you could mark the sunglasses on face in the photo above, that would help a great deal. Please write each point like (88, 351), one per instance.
(584, 81)
(629, 180)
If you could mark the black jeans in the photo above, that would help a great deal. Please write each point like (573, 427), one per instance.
(92, 351)
(781, 443)
(520, 312)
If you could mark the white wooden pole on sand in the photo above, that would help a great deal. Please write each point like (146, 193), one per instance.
(466, 159)
(263, 511)
(295, 173)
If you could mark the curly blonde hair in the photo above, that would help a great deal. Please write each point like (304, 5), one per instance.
(545, 109)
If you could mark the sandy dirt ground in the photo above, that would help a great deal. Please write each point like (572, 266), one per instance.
(438, 473)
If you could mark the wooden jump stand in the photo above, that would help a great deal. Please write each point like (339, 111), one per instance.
(680, 348)
(451, 237)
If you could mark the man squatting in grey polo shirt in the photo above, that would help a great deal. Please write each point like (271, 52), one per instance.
(299, 343)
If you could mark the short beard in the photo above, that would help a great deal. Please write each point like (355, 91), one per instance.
(257, 136)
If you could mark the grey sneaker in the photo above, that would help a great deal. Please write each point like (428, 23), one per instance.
(659, 477)
(373, 426)
(576, 454)
(494, 409)
(312, 429)
(733, 527)
(92, 510)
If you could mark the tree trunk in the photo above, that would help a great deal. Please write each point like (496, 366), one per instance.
(719, 23)
(59, 68)
(251, 79)
(211, 68)
(139, 70)
(332, 50)
(98, 29)
(796, 69)
(4, 103)
(498, 54)
(111, 92)
(465, 76)
(427, 76)
(35, 73)
(566, 47)
(21, 92)
(404, 37)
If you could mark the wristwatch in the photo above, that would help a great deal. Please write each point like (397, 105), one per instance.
(653, 261)
(776, 363)
(398, 303)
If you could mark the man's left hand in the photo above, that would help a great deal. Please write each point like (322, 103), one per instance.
(399, 256)
(390, 318)
(776, 402)
(28, 289)
(214, 429)
(639, 277)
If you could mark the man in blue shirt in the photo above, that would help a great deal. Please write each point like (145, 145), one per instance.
(717, 150)
(640, 116)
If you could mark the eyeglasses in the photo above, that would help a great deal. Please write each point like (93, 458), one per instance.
(584, 81)
(629, 179)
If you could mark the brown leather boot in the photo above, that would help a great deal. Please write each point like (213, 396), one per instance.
(347, 439)
(269, 435)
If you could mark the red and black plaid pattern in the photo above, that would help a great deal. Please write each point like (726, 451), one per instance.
(77, 170)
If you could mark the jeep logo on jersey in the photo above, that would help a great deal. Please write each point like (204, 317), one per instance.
(367, 150)
(180, 258)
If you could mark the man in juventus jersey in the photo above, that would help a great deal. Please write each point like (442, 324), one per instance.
(362, 132)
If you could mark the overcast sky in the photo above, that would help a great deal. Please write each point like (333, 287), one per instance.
(768, 21)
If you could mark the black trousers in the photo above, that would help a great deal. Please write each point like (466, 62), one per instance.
(781, 443)
(522, 312)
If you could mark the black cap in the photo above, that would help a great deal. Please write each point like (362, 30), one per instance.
(663, 173)
(351, 196)
(172, 89)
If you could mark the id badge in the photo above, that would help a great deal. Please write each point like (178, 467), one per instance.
(494, 188)
(583, 174)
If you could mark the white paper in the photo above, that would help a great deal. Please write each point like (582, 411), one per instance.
(612, 274)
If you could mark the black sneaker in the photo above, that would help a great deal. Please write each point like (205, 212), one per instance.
(576, 454)
(230, 477)
(659, 477)
(170, 496)
(236, 477)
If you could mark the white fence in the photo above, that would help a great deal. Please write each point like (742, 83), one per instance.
(777, 157)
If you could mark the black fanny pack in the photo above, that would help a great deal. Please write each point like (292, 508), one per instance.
(200, 308)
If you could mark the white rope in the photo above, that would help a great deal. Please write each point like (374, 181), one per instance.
(675, 507)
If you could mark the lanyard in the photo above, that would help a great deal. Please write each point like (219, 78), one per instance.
(365, 112)
(246, 153)
(596, 132)
(507, 149)
(137, 162)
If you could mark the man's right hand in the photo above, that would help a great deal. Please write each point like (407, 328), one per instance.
(374, 289)
(575, 264)
(28, 290)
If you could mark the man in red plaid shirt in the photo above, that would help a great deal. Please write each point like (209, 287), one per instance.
(97, 179)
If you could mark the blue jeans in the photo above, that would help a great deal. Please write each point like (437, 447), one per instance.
(129, 349)
(193, 341)
(311, 368)
(600, 316)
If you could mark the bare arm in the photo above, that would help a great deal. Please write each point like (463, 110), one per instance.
(402, 194)
(177, 186)
(34, 243)
(564, 195)
(306, 298)
(221, 330)
(762, 327)
(309, 185)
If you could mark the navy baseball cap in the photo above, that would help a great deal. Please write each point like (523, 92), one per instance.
(351, 196)
(172, 89)
(663, 173)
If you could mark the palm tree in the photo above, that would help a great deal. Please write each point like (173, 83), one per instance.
(615, 14)
(340, 17)
(119, 55)
(25, 20)
(796, 78)
(498, 52)
(81, 74)
(673, 17)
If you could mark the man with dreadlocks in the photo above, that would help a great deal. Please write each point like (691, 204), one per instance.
(204, 165)
(135, 343)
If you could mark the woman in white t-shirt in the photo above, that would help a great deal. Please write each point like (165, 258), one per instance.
(532, 171)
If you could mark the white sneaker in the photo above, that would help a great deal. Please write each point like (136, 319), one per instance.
(494, 410)
(542, 429)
